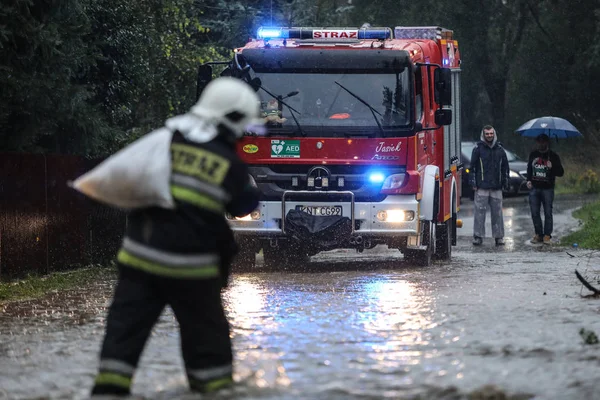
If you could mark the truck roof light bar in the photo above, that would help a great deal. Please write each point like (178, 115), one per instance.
(323, 33)
(422, 32)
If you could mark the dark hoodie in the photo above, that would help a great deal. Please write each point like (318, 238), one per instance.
(540, 172)
(489, 165)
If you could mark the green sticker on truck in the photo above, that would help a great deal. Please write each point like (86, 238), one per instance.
(285, 149)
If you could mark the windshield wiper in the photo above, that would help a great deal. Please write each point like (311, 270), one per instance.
(370, 107)
(280, 99)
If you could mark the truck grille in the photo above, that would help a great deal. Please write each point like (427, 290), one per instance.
(273, 180)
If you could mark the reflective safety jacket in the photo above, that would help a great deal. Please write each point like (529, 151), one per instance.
(192, 241)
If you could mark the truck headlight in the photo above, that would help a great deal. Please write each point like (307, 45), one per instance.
(253, 216)
(395, 215)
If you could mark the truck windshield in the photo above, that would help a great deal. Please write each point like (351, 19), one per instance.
(336, 104)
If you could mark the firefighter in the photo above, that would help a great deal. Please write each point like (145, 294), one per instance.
(180, 257)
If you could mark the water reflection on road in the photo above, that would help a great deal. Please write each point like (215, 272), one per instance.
(352, 327)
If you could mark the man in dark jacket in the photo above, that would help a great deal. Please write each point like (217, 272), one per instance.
(542, 168)
(489, 166)
(180, 257)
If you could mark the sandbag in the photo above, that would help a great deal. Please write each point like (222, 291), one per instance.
(135, 177)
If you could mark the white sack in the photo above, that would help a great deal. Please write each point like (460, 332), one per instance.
(135, 177)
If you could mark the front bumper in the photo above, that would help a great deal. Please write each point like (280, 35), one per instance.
(270, 224)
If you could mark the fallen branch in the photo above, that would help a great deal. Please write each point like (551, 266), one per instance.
(587, 284)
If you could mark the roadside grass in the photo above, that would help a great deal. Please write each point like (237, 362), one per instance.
(588, 236)
(580, 178)
(35, 286)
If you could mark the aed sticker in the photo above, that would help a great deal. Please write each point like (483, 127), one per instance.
(285, 148)
(250, 148)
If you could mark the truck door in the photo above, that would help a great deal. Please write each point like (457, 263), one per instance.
(430, 142)
(423, 139)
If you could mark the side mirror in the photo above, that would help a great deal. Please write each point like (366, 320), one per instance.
(442, 78)
(204, 76)
(443, 117)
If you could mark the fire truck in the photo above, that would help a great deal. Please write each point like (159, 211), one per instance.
(361, 145)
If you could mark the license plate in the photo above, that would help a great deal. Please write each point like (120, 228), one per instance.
(321, 210)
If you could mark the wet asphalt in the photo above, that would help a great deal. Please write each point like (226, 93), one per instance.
(494, 323)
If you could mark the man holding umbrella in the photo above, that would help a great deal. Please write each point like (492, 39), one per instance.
(542, 168)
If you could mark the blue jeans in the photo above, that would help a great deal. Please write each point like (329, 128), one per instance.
(537, 198)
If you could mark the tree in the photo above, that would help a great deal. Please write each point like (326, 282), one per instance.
(45, 99)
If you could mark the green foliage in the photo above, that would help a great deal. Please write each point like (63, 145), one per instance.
(581, 173)
(150, 53)
(44, 60)
(87, 77)
(589, 235)
(588, 182)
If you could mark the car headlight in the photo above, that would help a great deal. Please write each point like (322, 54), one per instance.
(513, 174)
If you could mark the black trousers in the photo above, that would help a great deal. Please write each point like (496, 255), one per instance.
(138, 302)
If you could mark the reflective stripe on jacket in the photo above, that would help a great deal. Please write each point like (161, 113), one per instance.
(164, 263)
(197, 177)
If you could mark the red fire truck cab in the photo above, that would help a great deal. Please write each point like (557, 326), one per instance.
(362, 141)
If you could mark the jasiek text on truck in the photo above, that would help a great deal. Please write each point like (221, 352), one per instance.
(362, 141)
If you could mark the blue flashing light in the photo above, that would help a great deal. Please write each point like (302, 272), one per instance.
(376, 177)
(446, 61)
(272, 33)
(375, 33)
(333, 34)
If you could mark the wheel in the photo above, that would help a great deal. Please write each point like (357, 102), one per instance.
(284, 257)
(444, 239)
(423, 257)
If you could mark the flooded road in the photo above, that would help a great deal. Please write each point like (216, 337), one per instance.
(495, 323)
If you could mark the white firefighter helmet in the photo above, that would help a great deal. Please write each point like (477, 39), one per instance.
(231, 102)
